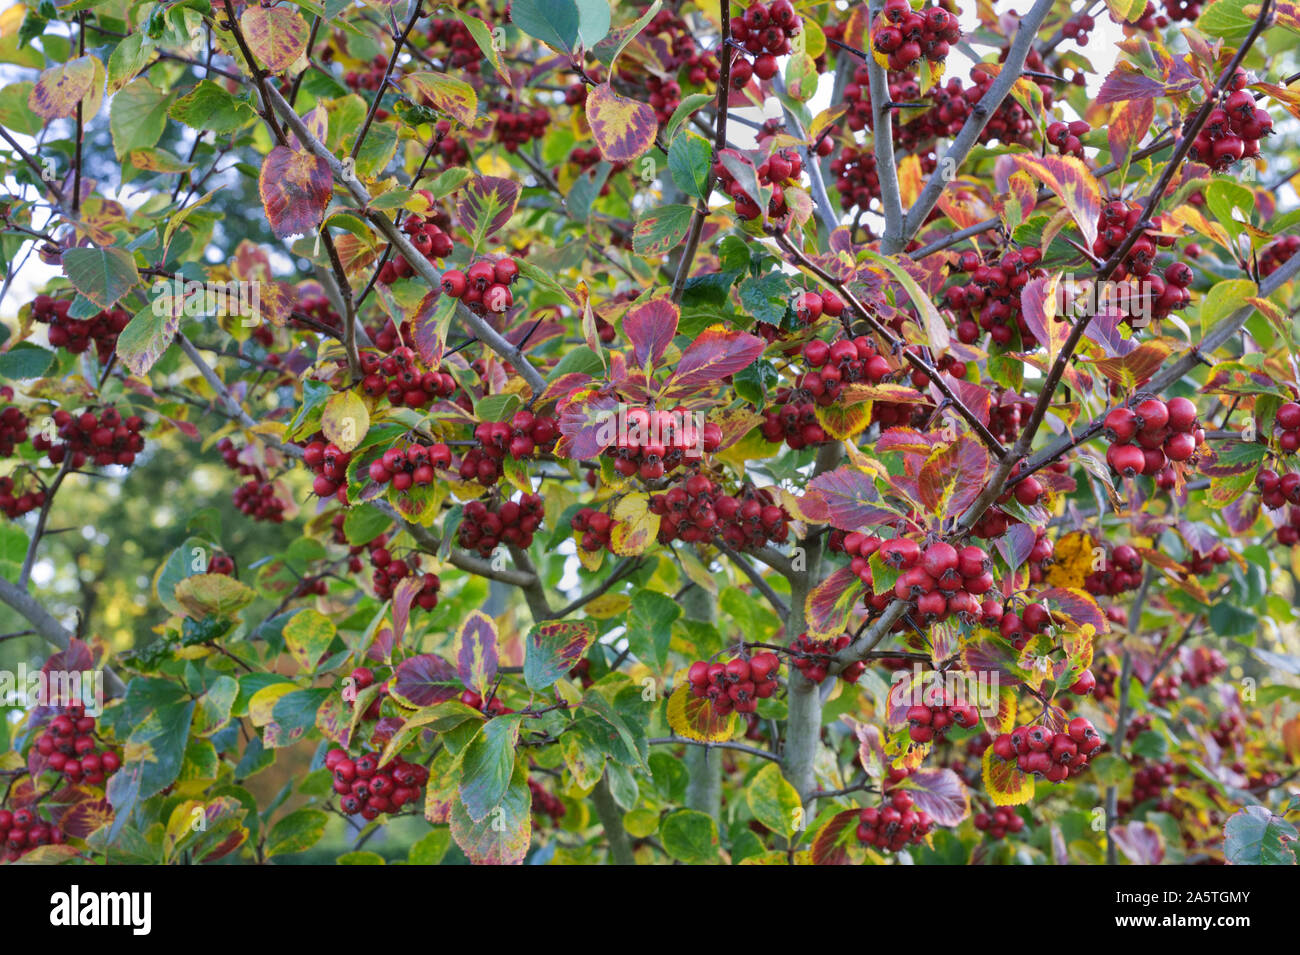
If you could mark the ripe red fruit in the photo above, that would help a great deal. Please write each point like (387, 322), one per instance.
(1288, 416)
(1084, 684)
(940, 557)
(454, 283)
(1120, 425)
(1127, 459)
(900, 553)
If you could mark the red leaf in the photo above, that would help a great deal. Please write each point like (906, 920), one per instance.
(650, 328)
(1073, 182)
(830, 602)
(831, 845)
(941, 793)
(715, 354)
(1125, 84)
(486, 204)
(585, 423)
(851, 500)
(1128, 125)
(425, 680)
(295, 187)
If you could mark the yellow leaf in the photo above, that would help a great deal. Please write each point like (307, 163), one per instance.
(1005, 784)
(608, 605)
(694, 717)
(345, 420)
(637, 527)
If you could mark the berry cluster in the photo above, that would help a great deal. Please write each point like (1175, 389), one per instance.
(545, 804)
(1121, 571)
(1066, 137)
(813, 657)
(992, 296)
(1288, 535)
(1146, 437)
(369, 79)
(13, 424)
(1277, 252)
(363, 677)
(493, 707)
(794, 421)
(429, 239)
(106, 438)
(1278, 491)
(1199, 564)
(941, 581)
(257, 499)
(514, 522)
(696, 510)
(75, 334)
(520, 437)
(367, 789)
(655, 443)
(484, 286)
(765, 32)
(999, 822)
(893, 825)
(69, 747)
(904, 35)
(927, 723)
(594, 526)
(589, 158)
(330, 465)
(388, 570)
(737, 685)
(15, 505)
(515, 128)
(781, 168)
(411, 466)
(1117, 220)
(1037, 750)
(462, 52)
(1078, 28)
(1286, 427)
(1233, 130)
(1152, 782)
(398, 377)
(23, 830)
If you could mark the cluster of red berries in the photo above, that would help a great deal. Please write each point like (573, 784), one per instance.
(429, 240)
(813, 657)
(522, 436)
(1233, 130)
(1066, 137)
(594, 526)
(680, 51)
(992, 297)
(737, 685)
(1037, 750)
(793, 421)
(514, 522)
(954, 103)
(484, 286)
(941, 581)
(369, 79)
(257, 496)
(999, 822)
(588, 158)
(515, 128)
(1121, 571)
(1019, 628)
(1286, 428)
(1277, 252)
(397, 377)
(13, 424)
(903, 88)
(69, 747)
(545, 804)
(388, 570)
(836, 364)
(856, 178)
(1118, 219)
(781, 168)
(696, 510)
(317, 308)
(367, 789)
(16, 505)
(410, 466)
(1078, 28)
(1152, 782)
(1146, 437)
(462, 52)
(1199, 564)
(893, 825)
(330, 465)
(493, 707)
(362, 678)
(928, 723)
(765, 32)
(23, 830)
(1278, 491)
(905, 36)
(106, 438)
(1288, 535)
(657, 442)
(76, 334)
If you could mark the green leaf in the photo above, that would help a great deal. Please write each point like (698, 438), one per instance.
(650, 627)
(661, 229)
(1254, 836)
(430, 848)
(25, 360)
(766, 297)
(137, 117)
(689, 162)
(1226, 19)
(1229, 621)
(102, 275)
(308, 634)
(553, 648)
(1224, 299)
(487, 766)
(209, 106)
(689, 836)
(296, 832)
(685, 108)
(773, 801)
(554, 22)
(593, 21)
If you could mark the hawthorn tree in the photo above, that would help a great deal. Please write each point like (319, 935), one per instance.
(552, 460)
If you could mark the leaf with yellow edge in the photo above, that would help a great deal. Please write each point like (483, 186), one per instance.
(608, 605)
(345, 420)
(1005, 784)
(1004, 721)
(694, 718)
(637, 527)
(59, 89)
(262, 703)
(216, 595)
(773, 801)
